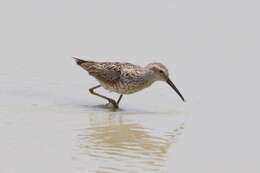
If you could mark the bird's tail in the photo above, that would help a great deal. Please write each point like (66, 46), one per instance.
(87, 65)
(79, 61)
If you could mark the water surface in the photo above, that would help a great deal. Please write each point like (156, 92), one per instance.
(49, 123)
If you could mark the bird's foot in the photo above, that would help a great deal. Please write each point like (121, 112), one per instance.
(113, 102)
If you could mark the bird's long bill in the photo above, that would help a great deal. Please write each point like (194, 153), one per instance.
(175, 89)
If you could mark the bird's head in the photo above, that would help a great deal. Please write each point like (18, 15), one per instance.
(160, 73)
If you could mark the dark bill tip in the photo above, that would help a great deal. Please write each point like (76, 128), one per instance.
(175, 89)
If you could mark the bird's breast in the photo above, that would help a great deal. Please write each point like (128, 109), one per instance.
(126, 87)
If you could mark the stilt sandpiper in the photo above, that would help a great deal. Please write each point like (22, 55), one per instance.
(125, 78)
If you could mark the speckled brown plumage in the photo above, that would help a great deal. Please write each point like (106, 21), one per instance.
(125, 78)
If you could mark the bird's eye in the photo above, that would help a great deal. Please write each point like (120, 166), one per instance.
(161, 71)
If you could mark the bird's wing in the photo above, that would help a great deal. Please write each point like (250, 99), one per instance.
(104, 71)
(109, 72)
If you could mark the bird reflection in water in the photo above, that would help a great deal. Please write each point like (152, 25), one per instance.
(127, 143)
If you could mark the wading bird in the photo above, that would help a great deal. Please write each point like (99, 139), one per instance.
(125, 78)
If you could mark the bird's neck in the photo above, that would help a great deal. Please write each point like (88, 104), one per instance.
(152, 76)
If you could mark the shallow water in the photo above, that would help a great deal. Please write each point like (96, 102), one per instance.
(49, 123)
(59, 127)
(41, 136)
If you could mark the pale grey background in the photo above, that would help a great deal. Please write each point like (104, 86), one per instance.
(210, 47)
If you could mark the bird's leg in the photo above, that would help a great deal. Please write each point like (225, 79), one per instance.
(119, 99)
(91, 90)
